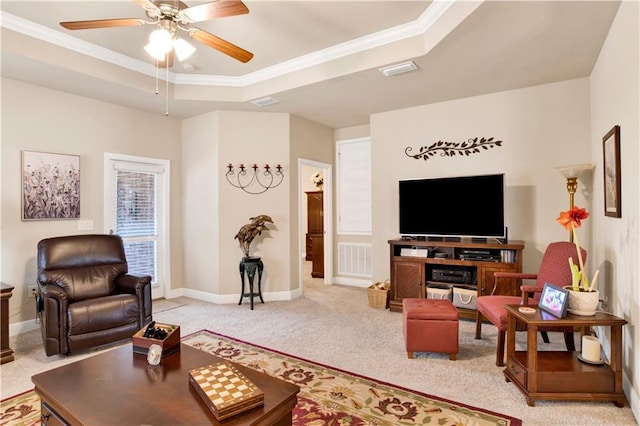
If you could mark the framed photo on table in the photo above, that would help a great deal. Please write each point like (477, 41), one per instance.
(50, 186)
(611, 160)
(554, 300)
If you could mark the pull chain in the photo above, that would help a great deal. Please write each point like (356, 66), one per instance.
(166, 108)
(157, 75)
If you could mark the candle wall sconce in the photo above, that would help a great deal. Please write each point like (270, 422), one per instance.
(253, 180)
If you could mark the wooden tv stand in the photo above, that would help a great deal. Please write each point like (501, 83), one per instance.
(412, 274)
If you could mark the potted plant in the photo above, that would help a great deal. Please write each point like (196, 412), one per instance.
(583, 297)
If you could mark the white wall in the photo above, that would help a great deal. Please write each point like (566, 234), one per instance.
(201, 201)
(38, 119)
(214, 210)
(541, 127)
(615, 100)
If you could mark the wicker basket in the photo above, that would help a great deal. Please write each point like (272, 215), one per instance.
(378, 297)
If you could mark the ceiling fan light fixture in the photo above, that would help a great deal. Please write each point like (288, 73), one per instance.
(155, 51)
(182, 48)
(160, 43)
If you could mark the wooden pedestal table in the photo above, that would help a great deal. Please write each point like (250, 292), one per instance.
(251, 265)
(560, 375)
(6, 353)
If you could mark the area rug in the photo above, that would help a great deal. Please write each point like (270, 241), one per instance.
(328, 396)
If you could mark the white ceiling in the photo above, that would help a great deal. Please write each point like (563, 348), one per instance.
(320, 59)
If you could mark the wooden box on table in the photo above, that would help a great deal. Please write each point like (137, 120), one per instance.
(169, 344)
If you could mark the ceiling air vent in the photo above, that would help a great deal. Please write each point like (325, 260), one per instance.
(265, 101)
(396, 69)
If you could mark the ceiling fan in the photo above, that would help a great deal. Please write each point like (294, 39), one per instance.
(171, 16)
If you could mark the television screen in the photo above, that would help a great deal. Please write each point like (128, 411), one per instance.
(464, 206)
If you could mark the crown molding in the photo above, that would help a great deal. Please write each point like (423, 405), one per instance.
(40, 32)
(381, 38)
(434, 13)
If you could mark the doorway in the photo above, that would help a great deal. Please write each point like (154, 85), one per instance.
(307, 169)
(136, 208)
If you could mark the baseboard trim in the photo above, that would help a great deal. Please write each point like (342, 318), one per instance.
(354, 282)
(23, 327)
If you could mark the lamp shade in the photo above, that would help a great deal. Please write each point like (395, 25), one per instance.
(160, 43)
(182, 48)
(574, 170)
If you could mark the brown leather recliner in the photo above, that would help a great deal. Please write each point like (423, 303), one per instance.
(86, 298)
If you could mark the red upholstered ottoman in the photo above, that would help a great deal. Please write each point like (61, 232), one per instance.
(430, 325)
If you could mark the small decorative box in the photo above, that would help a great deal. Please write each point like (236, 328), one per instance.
(169, 345)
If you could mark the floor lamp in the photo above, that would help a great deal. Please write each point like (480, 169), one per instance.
(572, 173)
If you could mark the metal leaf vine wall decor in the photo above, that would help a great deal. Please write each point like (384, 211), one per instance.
(451, 149)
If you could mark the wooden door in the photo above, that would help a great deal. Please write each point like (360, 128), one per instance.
(315, 214)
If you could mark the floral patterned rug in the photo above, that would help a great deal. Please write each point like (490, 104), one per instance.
(328, 396)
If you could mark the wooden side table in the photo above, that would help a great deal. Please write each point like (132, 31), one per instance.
(6, 353)
(559, 375)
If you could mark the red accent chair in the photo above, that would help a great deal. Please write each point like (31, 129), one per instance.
(554, 269)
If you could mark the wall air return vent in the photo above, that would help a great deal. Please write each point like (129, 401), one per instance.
(354, 259)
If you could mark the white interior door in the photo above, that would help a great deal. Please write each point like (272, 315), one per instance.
(136, 208)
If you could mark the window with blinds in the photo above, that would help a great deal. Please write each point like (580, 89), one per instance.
(136, 207)
(136, 220)
(354, 186)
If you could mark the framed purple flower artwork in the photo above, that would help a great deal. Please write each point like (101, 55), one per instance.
(50, 186)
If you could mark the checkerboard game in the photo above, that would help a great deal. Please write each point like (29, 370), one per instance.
(225, 390)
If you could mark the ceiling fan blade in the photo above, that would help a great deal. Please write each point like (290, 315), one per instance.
(146, 4)
(102, 23)
(221, 45)
(215, 9)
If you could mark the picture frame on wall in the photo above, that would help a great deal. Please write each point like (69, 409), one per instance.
(50, 186)
(554, 300)
(612, 182)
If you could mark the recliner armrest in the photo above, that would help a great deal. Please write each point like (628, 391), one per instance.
(132, 284)
(54, 303)
(52, 291)
(140, 285)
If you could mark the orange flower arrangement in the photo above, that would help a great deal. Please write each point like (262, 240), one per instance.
(571, 220)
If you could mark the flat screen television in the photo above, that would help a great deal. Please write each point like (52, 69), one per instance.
(462, 206)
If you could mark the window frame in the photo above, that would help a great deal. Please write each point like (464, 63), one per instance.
(162, 169)
(345, 180)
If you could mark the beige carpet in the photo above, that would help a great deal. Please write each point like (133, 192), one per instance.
(162, 305)
(334, 325)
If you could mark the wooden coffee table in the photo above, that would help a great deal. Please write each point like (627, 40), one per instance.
(120, 387)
